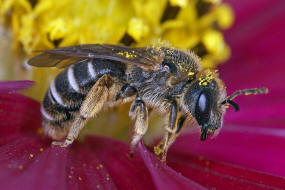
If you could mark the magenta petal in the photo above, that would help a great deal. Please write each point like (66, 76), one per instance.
(12, 86)
(127, 173)
(85, 171)
(29, 163)
(18, 114)
(216, 175)
(163, 176)
(251, 147)
(257, 41)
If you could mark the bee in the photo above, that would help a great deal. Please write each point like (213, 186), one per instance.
(164, 79)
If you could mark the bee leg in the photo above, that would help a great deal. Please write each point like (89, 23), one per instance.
(172, 130)
(139, 112)
(171, 136)
(92, 104)
(126, 91)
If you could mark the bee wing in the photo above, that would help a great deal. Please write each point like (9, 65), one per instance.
(62, 57)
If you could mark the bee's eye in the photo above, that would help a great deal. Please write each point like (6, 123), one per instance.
(202, 110)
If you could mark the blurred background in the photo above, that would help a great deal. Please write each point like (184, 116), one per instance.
(28, 25)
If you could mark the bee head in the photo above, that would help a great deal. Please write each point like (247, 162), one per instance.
(202, 99)
(205, 99)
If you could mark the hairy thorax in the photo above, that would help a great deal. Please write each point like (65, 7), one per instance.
(153, 87)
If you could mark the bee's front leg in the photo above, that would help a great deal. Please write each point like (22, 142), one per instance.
(139, 112)
(172, 130)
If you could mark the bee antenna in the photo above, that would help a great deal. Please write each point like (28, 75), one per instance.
(230, 98)
(234, 104)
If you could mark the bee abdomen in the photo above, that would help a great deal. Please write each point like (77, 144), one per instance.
(69, 89)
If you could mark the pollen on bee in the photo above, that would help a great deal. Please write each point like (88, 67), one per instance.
(204, 79)
(31, 155)
(190, 73)
(41, 149)
(127, 55)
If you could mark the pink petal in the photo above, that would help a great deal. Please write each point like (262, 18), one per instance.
(257, 41)
(18, 114)
(12, 86)
(163, 176)
(127, 173)
(86, 171)
(216, 175)
(251, 147)
(27, 160)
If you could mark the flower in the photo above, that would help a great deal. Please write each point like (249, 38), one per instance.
(247, 154)
(29, 162)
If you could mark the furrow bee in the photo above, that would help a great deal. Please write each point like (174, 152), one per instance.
(164, 79)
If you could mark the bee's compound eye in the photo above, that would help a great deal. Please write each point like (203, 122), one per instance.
(202, 111)
(202, 103)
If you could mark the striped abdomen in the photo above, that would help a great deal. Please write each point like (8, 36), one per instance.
(69, 89)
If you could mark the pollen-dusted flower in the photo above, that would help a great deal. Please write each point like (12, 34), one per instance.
(247, 154)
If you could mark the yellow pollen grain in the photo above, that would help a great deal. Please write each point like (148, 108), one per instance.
(190, 73)
(20, 167)
(79, 178)
(101, 166)
(69, 176)
(41, 149)
(127, 55)
(201, 158)
(40, 131)
(204, 79)
(157, 150)
(31, 155)
(207, 163)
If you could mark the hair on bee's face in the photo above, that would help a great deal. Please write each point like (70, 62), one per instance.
(202, 101)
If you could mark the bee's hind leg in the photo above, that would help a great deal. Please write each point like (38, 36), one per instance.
(139, 111)
(92, 104)
(172, 131)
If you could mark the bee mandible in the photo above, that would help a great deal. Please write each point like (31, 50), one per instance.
(167, 80)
